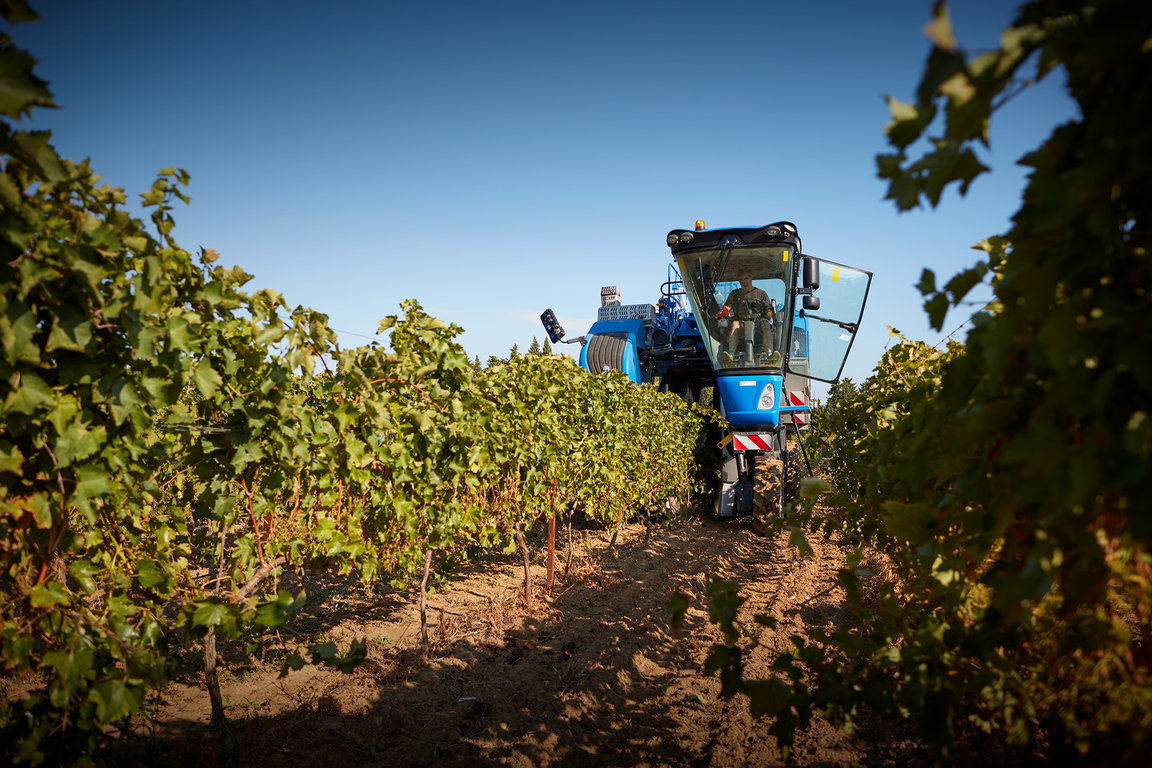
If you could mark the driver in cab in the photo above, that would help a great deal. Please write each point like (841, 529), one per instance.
(747, 304)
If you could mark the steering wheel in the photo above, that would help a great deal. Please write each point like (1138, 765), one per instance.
(757, 308)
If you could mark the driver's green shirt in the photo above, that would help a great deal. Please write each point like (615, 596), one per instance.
(740, 302)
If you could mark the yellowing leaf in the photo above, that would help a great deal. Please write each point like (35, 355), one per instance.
(207, 380)
(939, 30)
(958, 88)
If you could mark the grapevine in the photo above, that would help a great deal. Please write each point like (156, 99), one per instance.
(1005, 479)
(172, 444)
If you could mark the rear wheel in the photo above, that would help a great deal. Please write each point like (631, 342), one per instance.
(767, 492)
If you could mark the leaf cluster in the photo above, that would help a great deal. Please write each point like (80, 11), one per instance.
(1005, 481)
(172, 444)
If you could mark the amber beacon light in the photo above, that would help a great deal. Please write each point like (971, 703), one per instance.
(699, 225)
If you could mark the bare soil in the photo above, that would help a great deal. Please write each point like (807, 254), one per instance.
(589, 674)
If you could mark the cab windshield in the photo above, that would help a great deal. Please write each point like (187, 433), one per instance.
(741, 301)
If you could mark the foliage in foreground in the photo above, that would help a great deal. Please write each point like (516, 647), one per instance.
(1007, 480)
(171, 442)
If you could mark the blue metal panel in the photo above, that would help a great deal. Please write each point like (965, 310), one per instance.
(740, 396)
(630, 362)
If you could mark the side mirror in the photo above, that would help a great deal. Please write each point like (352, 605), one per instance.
(552, 326)
(811, 272)
(810, 302)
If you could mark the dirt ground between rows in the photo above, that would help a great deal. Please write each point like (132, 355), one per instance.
(590, 675)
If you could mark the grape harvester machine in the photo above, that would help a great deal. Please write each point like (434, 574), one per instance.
(746, 316)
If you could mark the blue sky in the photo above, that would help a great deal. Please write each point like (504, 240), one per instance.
(494, 159)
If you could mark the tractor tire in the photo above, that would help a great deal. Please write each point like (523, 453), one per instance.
(606, 352)
(792, 474)
(767, 492)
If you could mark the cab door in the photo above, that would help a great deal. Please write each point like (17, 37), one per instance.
(827, 332)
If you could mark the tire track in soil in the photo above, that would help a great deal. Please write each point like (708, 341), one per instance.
(591, 675)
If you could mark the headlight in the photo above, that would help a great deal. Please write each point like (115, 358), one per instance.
(767, 398)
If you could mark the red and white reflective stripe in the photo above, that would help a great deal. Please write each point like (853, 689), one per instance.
(797, 398)
(758, 442)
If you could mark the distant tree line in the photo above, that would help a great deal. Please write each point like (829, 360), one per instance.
(535, 349)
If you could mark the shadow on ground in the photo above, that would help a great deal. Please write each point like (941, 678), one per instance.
(591, 675)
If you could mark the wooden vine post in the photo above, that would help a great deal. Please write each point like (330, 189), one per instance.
(527, 566)
(424, 598)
